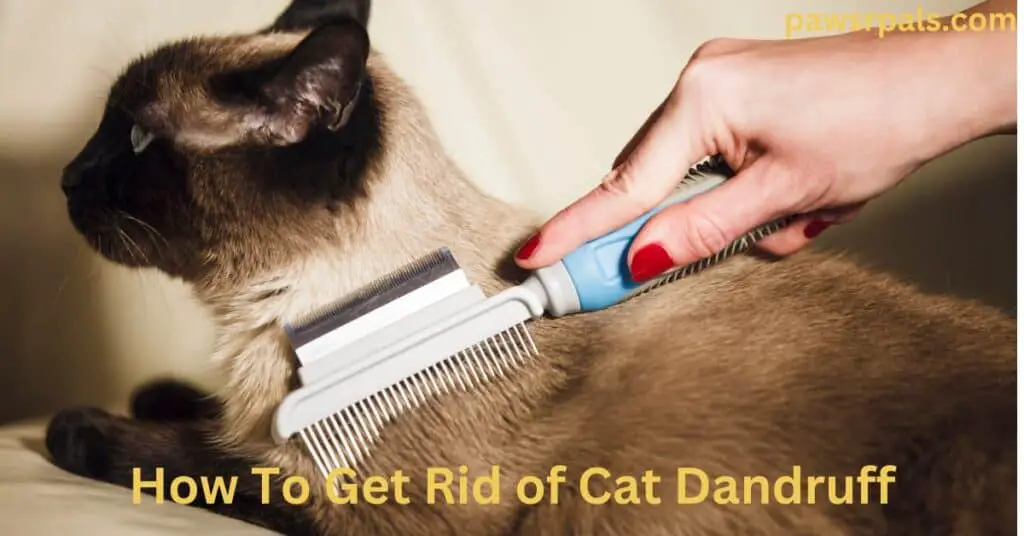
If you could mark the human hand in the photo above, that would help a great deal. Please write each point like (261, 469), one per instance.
(813, 127)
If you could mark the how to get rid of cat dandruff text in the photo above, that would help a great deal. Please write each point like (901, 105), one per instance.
(595, 485)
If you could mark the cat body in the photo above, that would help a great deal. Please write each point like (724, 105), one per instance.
(284, 169)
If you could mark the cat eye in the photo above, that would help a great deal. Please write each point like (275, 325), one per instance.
(140, 139)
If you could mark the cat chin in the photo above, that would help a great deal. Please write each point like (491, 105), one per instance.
(113, 235)
(119, 254)
(118, 246)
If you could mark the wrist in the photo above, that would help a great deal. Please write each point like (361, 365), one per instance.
(952, 87)
(980, 70)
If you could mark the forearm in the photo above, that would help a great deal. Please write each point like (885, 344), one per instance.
(986, 68)
(956, 85)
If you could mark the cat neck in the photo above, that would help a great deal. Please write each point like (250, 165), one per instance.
(417, 202)
(396, 228)
(405, 220)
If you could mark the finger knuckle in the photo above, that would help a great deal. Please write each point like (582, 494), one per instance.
(702, 77)
(703, 235)
(629, 187)
(709, 74)
(791, 189)
(807, 194)
(694, 75)
(714, 46)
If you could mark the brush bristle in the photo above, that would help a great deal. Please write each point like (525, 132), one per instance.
(344, 439)
(711, 165)
(735, 247)
(388, 288)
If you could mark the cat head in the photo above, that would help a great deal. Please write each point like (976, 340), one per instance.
(228, 152)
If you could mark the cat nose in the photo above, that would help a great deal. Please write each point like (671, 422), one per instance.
(70, 179)
(82, 167)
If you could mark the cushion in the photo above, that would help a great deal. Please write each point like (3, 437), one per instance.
(39, 498)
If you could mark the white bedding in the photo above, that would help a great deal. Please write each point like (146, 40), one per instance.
(37, 498)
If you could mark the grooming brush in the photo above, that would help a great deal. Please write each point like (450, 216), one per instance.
(426, 330)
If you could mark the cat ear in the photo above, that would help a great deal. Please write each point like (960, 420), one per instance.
(316, 85)
(306, 14)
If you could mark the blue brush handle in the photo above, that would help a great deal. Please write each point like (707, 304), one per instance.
(598, 269)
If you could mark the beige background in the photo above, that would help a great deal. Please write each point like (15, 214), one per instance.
(533, 98)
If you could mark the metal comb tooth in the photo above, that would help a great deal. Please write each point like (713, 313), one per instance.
(375, 294)
(346, 437)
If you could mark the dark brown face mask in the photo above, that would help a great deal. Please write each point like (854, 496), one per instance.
(210, 149)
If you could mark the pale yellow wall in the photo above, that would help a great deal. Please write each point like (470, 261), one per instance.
(533, 97)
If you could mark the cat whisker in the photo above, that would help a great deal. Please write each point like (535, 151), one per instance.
(142, 254)
(124, 242)
(104, 72)
(96, 267)
(149, 229)
(132, 246)
(66, 278)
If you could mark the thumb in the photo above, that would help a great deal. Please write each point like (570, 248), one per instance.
(661, 157)
(706, 224)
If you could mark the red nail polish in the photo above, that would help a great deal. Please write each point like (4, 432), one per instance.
(815, 228)
(649, 262)
(528, 248)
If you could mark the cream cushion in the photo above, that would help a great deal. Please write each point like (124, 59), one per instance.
(37, 498)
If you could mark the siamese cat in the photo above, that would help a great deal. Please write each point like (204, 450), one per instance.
(280, 170)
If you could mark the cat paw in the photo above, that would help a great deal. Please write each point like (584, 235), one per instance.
(80, 441)
(171, 400)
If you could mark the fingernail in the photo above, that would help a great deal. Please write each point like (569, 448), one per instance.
(649, 262)
(528, 248)
(815, 228)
